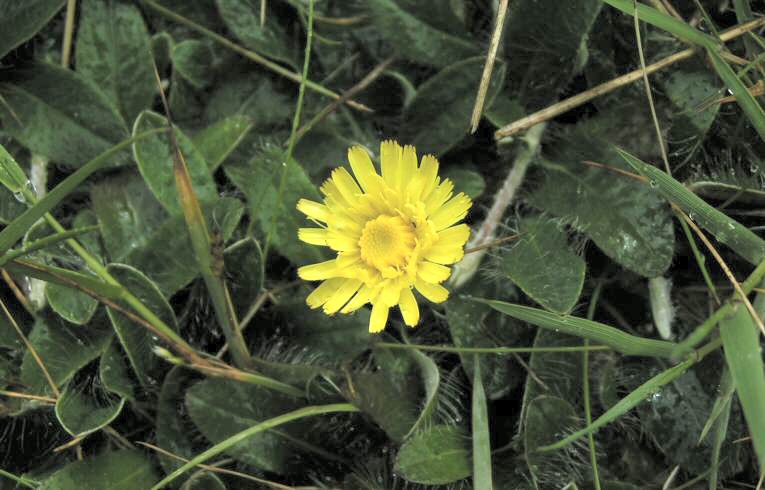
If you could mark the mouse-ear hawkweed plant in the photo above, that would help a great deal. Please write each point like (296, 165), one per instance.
(393, 232)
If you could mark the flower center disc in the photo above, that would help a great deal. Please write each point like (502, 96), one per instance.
(387, 242)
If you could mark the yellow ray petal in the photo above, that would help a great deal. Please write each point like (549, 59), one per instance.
(362, 297)
(390, 156)
(342, 242)
(363, 169)
(428, 174)
(379, 317)
(408, 306)
(455, 235)
(432, 292)
(430, 272)
(439, 196)
(341, 296)
(313, 210)
(390, 293)
(407, 169)
(346, 185)
(314, 236)
(451, 212)
(326, 289)
(444, 253)
(317, 272)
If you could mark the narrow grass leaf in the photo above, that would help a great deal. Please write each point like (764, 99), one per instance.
(482, 472)
(728, 231)
(587, 329)
(625, 404)
(741, 342)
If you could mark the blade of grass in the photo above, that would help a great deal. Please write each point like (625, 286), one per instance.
(726, 390)
(720, 422)
(744, 357)
(490, 350)
(63, 277)
(210, 264)
(642, 392)
(617, 339)
(728, 231)
(16, 228)
(491, 56)
(256, 429)
(45, 242)
(482, 472)
(591, 308)
(20, 479)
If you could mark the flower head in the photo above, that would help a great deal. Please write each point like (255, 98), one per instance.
(392, 232)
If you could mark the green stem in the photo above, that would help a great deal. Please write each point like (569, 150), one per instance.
(256, 429)
(19, 479)
(490, 350)
(586, 387)
(45, 242)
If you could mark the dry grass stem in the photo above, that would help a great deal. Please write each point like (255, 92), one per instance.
(725, 268)
(488, 67)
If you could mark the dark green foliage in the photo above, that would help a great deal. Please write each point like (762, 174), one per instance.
(488, 390)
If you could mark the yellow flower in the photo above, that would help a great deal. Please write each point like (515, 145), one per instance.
(392, 233)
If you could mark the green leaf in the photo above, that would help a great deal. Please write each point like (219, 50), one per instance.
(245, 274)
(114, 371)
(741, 342)
(473, 324)
(439, 116)
(338, 338)
(435, 456)
(154, 156)
(64, 350)
(82, 410)
(270, 39)
(72, 305)
(59, 114)
(546, 418)
(10, 206)
(217, 141)
(224, 217)
(423, 31)
(259, 180)
(688, 91)
(588, 329)
(625, 219)
(193, 60)
(114, 51)
(546, 42)
(137, 231)
(728, 231)
(468, 181)
(19, 21)
(482, 474)
(174, 430)
(222, 408)
(544, 267)
(391, 396)
(118, 470)
(255, 98)
(11, 174)
(137, 341)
